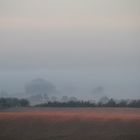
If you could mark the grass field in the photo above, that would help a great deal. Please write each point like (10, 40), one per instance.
(70, 124)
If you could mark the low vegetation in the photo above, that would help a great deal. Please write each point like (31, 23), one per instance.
(70, 124)
(13, 102)
(109, 103)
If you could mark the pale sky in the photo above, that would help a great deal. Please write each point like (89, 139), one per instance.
(63, 14)
(74, 37)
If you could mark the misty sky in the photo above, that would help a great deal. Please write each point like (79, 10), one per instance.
(78, 45)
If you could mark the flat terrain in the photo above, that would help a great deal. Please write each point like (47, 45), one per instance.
(70, 124)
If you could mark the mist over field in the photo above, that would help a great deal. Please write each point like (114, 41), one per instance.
(81, 83)
(69, 69)
(77, 62)
(87, 49)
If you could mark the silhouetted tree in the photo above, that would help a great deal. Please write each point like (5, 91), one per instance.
(111, 103)
(65, 99)
(122, 103)
(24, 102)
(13, 102)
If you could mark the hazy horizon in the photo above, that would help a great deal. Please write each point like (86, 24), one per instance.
(77, 45)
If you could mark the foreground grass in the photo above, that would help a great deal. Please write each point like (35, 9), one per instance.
(70, 124)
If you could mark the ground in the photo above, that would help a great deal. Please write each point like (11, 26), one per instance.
(70, 124)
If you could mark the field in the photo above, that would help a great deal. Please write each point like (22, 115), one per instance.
(70, 124)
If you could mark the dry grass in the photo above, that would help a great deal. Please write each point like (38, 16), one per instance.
(70, 124)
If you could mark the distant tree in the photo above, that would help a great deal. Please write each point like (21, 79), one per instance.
(104, 100)
(98, 92)
(134, 103)
(13, 102)
(36, 99)
(73, 99)
(24, 102)
(111, 103)
(65, 99)
(39, 86)
(122, 103)
(54, 99)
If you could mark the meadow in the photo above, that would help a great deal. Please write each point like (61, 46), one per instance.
(70, 124)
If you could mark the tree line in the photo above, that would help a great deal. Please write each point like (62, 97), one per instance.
(13, 102)
(110, 103)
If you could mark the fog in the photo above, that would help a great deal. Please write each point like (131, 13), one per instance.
(81, 83)
(87, 49)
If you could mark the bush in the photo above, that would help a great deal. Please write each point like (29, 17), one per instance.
(13, 102)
